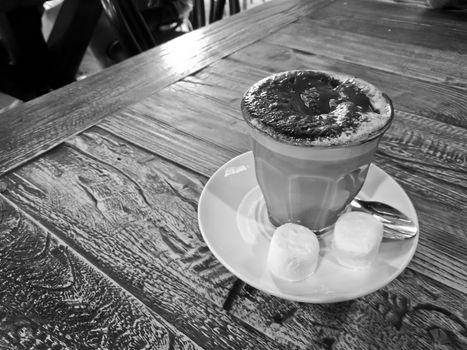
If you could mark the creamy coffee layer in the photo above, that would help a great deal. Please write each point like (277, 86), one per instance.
(316, 108)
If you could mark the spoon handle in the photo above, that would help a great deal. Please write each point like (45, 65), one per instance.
(396, 224)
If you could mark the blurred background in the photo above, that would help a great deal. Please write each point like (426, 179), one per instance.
(47, 44)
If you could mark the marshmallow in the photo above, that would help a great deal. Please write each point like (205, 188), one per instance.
(357, 237)
(293, 252)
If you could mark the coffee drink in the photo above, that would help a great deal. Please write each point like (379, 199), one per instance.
(314, 135)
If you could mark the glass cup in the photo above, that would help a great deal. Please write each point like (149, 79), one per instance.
(311, 185)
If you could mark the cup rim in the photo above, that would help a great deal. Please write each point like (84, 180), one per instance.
(375, 134)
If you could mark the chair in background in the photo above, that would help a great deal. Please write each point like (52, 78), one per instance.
(70, 37)
(34, 65)
(30, 65)
(137, 29)
(218, 7)
(132, 30)
(198, 14)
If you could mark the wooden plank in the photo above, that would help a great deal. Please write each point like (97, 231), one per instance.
(416, 61)
(169, 142)
(52, 299)
(433, 100)
(425, 156)
(419, 3)
(134, 216)
(445, 5)
(41, 124)
(7, 102)
(412, 312)
(194, 119)
(405, 25)
(410, 145)
(215, 96)
(200, 121)
(182, 107)
(450, 20)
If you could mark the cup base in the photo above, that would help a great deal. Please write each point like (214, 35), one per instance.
(318, 232)
(253, 219)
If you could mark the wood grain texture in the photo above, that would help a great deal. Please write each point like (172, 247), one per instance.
(444, 31)
(411, 60)
(41, 124)
(169, 142)
(413, 312)
(134, 215)
(7, 102)
(124, 195)
(427, 157)
(421, 3)
(433, 100)
(182, 111)
(51, 299)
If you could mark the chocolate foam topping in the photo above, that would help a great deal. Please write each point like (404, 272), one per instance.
(316, 108)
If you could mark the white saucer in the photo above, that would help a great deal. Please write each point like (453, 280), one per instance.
(230, 216)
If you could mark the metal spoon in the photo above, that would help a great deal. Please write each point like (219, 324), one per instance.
(396, 224)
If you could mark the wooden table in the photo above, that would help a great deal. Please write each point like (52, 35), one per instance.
(99, 240)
